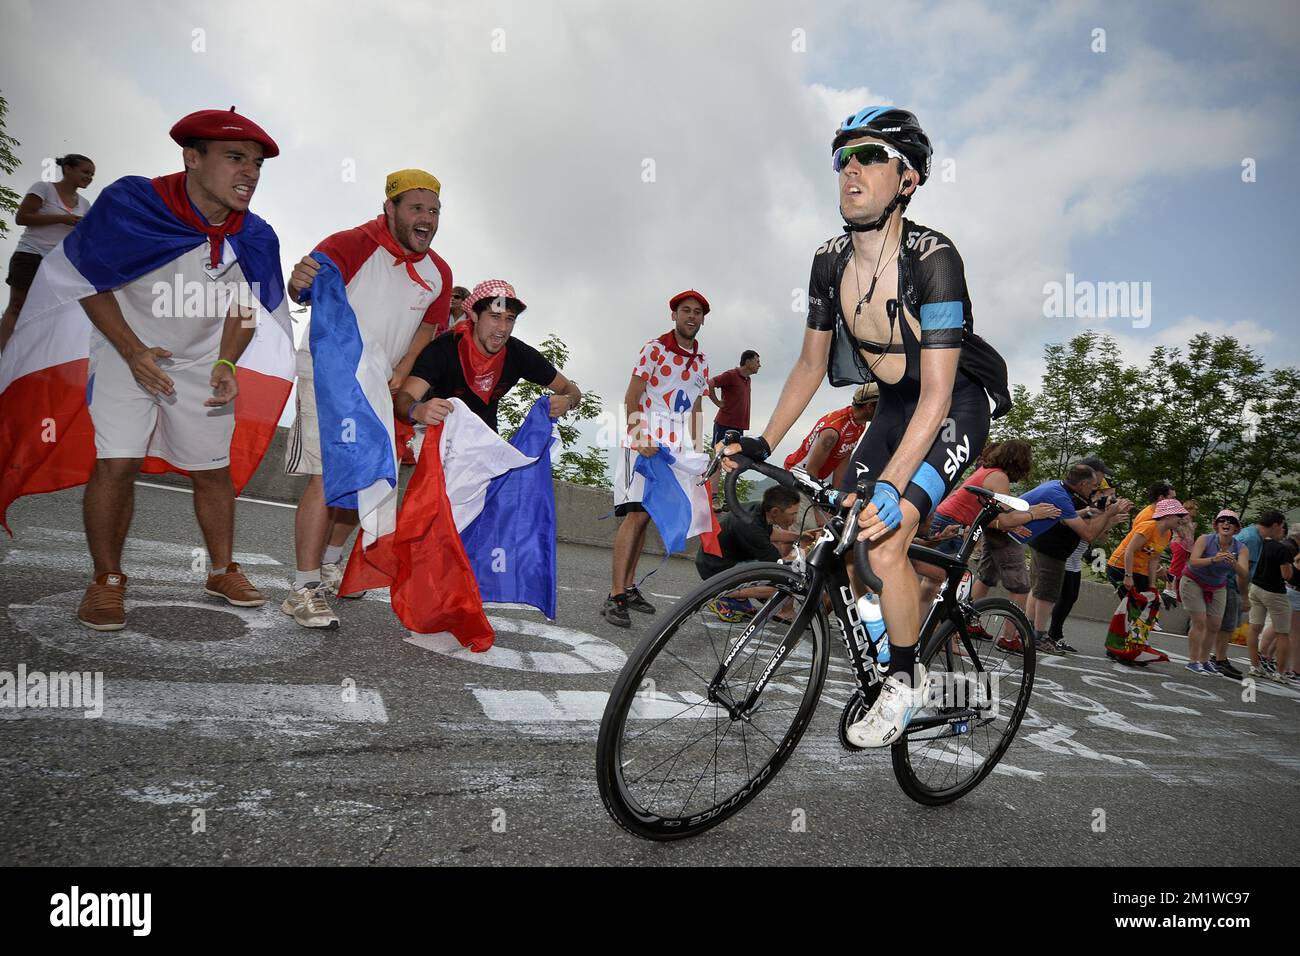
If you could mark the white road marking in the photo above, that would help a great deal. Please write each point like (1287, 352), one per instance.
(189, 491)
(528, 707)
(265, 638)
(1187, 690)
(969, 757)
(77, 566)
(533, 706)
(586, 654)
(1247, 713)
(1058, 739)
(184, 792)
(1102, 682)
(1170, 709)
(1110, 719)
(142, 548)
(227, 710)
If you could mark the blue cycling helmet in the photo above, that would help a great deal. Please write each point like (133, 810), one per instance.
(899, 128)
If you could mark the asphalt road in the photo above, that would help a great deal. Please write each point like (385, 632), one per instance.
(234, 736)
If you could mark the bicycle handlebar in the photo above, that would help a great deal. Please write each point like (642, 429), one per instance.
(865, 489)
(862, 549)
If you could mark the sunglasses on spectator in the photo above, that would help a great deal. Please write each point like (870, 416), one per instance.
(868, 154)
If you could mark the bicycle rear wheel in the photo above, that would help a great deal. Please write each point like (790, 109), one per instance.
(671, 761)
(937, 765)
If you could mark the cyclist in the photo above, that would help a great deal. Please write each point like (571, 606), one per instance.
(826, 449)
(888, 302)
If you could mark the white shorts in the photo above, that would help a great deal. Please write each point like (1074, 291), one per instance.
(302, 453)
(178, 428)
(629, 484)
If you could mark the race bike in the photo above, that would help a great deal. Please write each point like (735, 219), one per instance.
(706, 711)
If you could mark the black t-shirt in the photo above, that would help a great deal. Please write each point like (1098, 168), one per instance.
(739, 541)
(1060, 540)
(439, 365)
(1268, 572)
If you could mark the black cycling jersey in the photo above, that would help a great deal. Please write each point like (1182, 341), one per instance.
(932, 286)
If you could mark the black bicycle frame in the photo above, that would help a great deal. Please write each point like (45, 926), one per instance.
(827, 574)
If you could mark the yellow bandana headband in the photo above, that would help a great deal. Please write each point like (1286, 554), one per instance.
(404, 179)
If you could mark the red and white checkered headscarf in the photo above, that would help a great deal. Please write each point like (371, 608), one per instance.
(490, 289)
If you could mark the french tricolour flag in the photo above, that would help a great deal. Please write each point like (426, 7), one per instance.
(477, 524)
(47, 441)
(354, 408)
(677, 502)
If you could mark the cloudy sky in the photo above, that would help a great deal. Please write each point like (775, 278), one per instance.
(1053, 156)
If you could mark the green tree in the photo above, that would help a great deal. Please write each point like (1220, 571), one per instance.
(1268, 470)
(9, 199)
(1211, 418)
(1083, 399)
(580, 467)
(1208, 395)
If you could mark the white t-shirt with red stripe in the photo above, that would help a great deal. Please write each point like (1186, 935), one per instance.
(388, 301)
(675, 379)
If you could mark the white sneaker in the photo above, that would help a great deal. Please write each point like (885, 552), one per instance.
(331, 576)
(308, 607)
(891, 712)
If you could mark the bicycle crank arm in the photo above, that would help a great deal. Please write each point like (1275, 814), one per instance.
(953, 718)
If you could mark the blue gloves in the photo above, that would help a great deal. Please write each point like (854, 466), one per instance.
(886, 500)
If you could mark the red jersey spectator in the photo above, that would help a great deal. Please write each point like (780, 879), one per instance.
(825, 450)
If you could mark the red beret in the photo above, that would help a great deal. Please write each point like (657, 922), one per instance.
(688, 294)
(223, 125)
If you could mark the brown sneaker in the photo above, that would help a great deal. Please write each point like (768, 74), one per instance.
(235, 588)
(104, 608)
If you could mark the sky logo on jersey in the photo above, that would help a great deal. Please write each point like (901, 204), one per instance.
(927, 243)
(957, 457)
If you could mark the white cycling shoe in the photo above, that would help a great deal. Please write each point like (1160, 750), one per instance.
(890, 714)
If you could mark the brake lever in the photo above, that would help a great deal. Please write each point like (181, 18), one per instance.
(850, 527)
(729, 438)
(714, 467)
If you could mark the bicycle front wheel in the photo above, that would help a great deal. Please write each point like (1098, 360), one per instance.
(982, 675)
(674, 756)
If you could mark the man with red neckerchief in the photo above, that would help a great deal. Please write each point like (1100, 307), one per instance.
(400, 291)
(161, 379)
(479, 362)
(662, 407)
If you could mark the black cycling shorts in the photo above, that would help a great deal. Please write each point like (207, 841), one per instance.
(960, 440)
